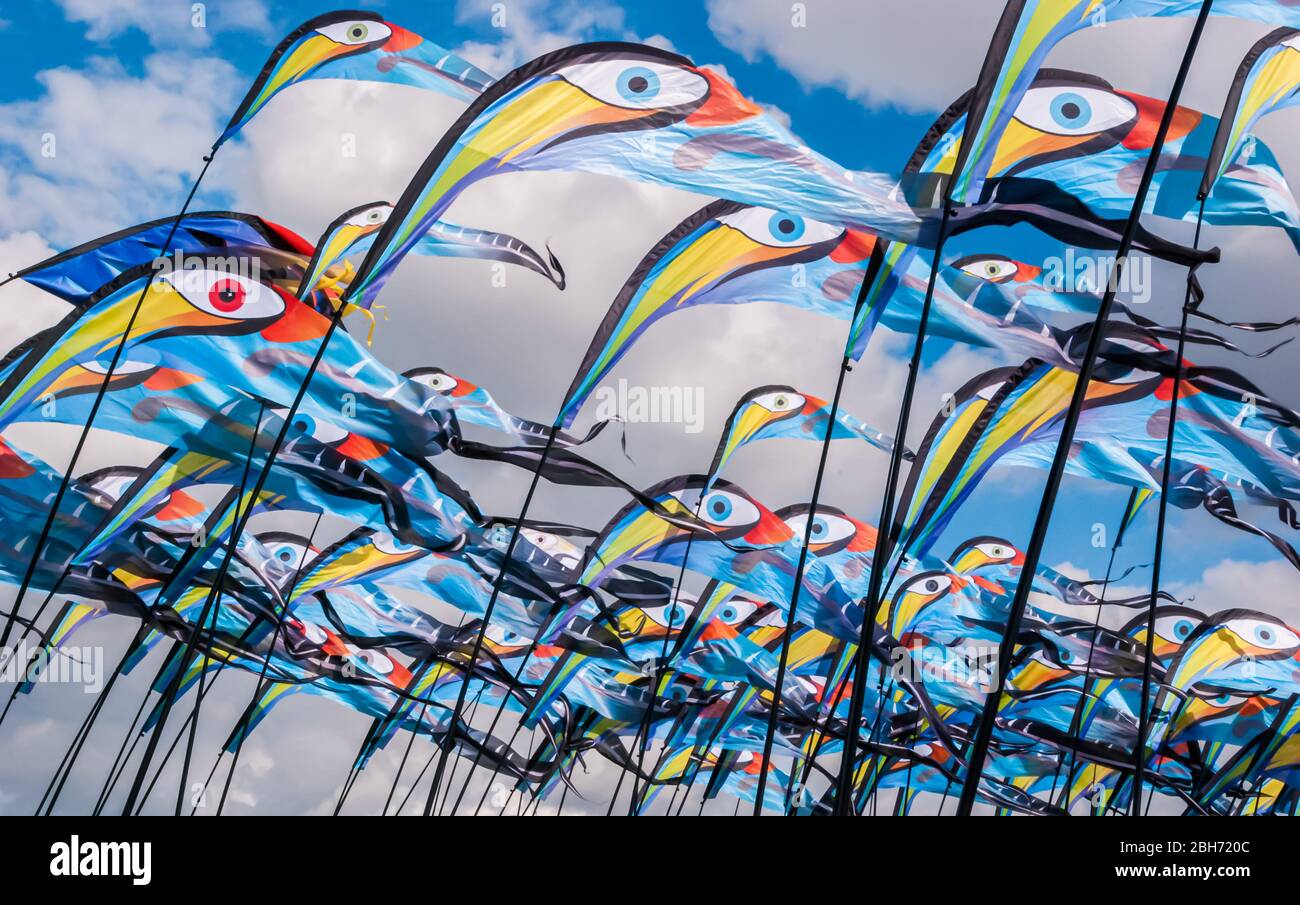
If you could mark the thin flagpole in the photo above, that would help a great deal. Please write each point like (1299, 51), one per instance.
(66, 481)
(769, 737)
(979, 747)
(1077, 717)
(880, 557)
(236, 532)
(258, 689)
(450, 741)
(1139, 755)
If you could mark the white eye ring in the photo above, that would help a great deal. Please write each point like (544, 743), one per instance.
(314, 633)
(677, 612)
(386, 543)
(380, 663)
(371, 216)
(637, 84)
(779, 401)
(834, 529)
(734, 612)
(438, 381)
(995, 551)
(728, 510)
(933, 585)
(225, 295)
(125, 366)
(1175, 627)
(356, 32)
(1263, 633)
(779, 229)
(1074, 109)
(991, 268)
(499, 634)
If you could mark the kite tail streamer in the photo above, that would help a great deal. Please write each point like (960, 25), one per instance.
(44, 535)
(1139, 749)
(984, 732)
(844, 786)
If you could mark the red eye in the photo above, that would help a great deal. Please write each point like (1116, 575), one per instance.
(226, 295)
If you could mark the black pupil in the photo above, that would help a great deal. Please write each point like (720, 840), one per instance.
(786, 226)
(1071, 111)
(1265, 635)
(719, 508)
(637, 84)
(300, 425)
(226, 295)
(358, 32)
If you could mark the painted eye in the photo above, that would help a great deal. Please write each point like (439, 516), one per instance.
(540, 539)
(826, 529)
(438, 381)
(225, 295)
(1175, 628)
(373, 216)
(386, 543)
(138, 364)
(993, 268)
(357, 32)
(670, 615)
(780, 401)
(932, 585)
(286, 553)
(638, 86)
(996, 551)
(112, 485)
(728, 510)
(776, 228)
(305, 425)
(314, 633)
(1261, 633)
(734, 612)
(1074, 110)
(376, 661)
(499, 634)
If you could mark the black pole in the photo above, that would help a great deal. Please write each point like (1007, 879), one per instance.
(984, 733)
(44, 536)
(1139, 751)
(879, 558)
(236, 531)
(772, 718)
(450, 741)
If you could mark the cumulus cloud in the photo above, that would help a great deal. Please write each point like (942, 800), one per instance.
(70, 174)
(167, 24)
(916, 56)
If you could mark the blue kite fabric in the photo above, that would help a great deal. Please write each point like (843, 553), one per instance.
(696, 638)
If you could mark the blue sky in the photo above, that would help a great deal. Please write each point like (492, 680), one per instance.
(136, 95)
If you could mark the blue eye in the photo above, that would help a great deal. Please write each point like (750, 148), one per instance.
(819, 528)
(638, 83)
(786, 227)
(1183, 629)
(1070, 110)
(304, 424)
(727, 614)
(718, 506)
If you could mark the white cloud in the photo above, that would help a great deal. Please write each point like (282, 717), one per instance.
(530, 28)
(167, 24)
(101, 149)
(917, 56)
